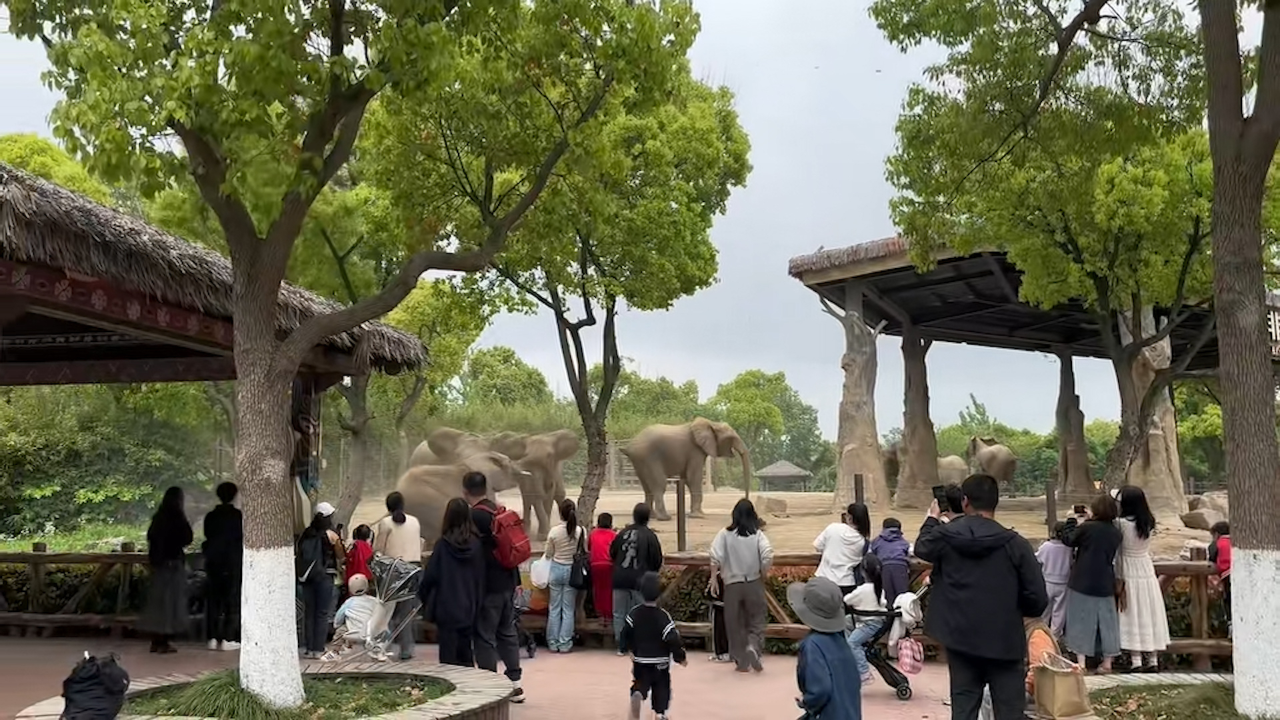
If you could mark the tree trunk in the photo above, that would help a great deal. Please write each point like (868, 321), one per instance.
(1074, 480)
(269, 653)
(1248, 428)
(597, 466)
(351, 483)
(857, 436)
(919, 470)
(1154, 465)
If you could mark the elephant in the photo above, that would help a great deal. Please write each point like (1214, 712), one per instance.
(543, 459)
(445, 445)
(662, 451)
(992, 458)
(951, 468)
(427, 489)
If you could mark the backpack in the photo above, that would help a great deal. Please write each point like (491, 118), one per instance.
(310, 556)
(95, 689)
(511, 545)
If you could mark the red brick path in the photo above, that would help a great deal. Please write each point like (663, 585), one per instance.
(584, 684)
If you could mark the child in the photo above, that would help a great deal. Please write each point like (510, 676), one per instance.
(359, 555)
(1220, 555)
(894, 553)
(600, 541)
(869, 596)
(357, 611)
(651, 637)
(1055, 562)
(719, 633)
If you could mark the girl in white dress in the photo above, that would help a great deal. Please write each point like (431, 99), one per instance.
(1144, 624)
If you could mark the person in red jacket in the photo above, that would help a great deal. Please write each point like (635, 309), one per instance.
(1220, 556)
(361, 553)
(601, 566)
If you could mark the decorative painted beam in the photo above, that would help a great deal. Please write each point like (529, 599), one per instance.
(105, 372)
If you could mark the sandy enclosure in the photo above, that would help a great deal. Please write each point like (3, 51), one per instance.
(807, 514)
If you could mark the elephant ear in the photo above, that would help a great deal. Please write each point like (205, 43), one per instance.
(444, 442)
(566, 444)
(989, 441)
(704, 436)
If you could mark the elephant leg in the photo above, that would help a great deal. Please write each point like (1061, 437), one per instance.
(693, 481)
(654, 482)
(542, 507)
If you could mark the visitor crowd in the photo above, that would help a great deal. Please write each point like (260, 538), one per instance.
(997, 605)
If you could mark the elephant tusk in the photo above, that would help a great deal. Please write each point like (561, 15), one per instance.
(526, 473)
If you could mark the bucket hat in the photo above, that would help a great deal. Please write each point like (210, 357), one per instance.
(818, 603)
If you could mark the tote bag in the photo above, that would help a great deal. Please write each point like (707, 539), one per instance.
(1060, 690)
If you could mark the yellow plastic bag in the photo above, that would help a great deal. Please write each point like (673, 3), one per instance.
(1060, 690)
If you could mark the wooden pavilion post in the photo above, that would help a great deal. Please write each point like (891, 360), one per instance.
(1073, 482)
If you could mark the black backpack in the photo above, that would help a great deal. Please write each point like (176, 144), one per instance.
(95, 689)
(309, 560)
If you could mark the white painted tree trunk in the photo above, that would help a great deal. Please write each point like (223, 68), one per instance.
(269, 628)
(1255, 607)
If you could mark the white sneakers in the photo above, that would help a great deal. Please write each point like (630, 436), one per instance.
(517, 695)
(227, 645)
(636, 701)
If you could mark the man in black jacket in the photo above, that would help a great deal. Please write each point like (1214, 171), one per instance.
(496, 636)
(634, 552)
(985, 581)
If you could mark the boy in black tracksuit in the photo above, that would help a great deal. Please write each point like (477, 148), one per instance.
(651, 637)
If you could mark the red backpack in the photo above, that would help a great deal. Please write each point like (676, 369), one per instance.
(511, 545)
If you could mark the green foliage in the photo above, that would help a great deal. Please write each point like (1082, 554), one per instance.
(63, 582)
(497, 375)
(1200, 436)
(42, 158)
(774, 422)
(219, 695)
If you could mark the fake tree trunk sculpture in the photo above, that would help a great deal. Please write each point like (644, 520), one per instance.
(919, 469)
(1155, 466)
(857, 436)
(1075, 484)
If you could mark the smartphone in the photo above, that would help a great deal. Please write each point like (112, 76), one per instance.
(940, 494)
(1078, 509)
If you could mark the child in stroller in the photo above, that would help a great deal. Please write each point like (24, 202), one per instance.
(395, 581)
(898, 622)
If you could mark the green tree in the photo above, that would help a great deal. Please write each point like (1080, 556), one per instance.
(40, 157)
(773, 420)
(639, 401)
(497, 375)
(1200, 432)
(659, 176)
(241, 85)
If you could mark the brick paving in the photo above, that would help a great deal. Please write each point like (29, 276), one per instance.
(584, 684)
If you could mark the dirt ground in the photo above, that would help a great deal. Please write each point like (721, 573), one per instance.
(806, 515)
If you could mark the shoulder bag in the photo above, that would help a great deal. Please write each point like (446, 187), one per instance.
(580, 571)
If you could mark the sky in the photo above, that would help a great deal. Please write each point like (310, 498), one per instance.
(818, 91)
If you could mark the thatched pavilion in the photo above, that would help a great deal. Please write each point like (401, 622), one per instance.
(783, 476)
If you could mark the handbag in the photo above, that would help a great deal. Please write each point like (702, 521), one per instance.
(1060, 690)
(910, 655)
(580, 571)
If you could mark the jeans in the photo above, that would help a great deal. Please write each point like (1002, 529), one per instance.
(863, 632)
(317, 600)
(496, 634)
(222, 604)
(970, 676)
(624, 601)
(560, 610)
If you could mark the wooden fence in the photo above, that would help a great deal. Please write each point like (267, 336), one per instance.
(42, 619)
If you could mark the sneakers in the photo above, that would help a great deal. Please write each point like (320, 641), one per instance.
(636, 701)
(720, 658)
(230, 645)
(213, 645)
(753, 659)
(868, 679)
(517, 693)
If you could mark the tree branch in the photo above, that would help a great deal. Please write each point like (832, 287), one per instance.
(411, 399)
(612, 361)
(209, 170)
(1262, 130)
(1165, 376)
(340, 259)
(1221, 43)
(1176, 312)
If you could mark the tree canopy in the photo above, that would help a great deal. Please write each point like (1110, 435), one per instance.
(40, 157)
(498, 375)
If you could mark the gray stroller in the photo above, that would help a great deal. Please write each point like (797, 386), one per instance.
(394, 581)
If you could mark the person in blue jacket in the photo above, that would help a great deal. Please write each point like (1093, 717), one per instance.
(825, 669)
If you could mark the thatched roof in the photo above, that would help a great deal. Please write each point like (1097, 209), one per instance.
(837, 257)
(43, 223)
(783, 469)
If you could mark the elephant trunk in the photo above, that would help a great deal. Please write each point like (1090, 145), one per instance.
(741, 448)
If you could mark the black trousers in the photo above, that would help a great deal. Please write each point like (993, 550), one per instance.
(969, 675)
(317, 603)
(496, 636)
(456, 645)
(652, 682)
(222, 604)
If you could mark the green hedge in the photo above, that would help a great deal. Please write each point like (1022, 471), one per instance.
(62, 582)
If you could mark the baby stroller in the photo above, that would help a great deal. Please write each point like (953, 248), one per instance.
(394, 581)
(878, 657)
(524, 637)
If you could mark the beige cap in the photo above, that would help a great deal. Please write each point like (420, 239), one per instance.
(358, 584)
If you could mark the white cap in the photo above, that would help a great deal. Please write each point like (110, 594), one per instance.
(324, 509)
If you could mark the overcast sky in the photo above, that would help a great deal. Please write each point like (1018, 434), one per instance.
(818, 91)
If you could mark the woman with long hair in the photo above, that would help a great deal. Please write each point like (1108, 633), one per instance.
(564, 542)
(843, 545)
(1093, 627)
(317, 567)
(399, 535)
(168, 535)
(741, 557)
(453, 583)
(1144, 624)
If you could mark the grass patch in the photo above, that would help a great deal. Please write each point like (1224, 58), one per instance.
(87, 538)
(335, 698)
(1167, 702)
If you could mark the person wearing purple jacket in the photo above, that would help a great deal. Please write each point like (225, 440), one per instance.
(893, 551)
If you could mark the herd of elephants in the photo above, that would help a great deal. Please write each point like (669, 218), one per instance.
(534, 463)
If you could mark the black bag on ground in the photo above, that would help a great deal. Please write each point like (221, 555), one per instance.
(95, 689)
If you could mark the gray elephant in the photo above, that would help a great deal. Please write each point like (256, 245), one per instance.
(445, 445)
(990, 457)
(662, 451)
(544, 458)
(951, 468)
(427, 489)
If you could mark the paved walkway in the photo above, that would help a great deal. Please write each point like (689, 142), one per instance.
(584, 684)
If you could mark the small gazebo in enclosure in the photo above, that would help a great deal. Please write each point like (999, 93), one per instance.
(785, 477)
(92, 295)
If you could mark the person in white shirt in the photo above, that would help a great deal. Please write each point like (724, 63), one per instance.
(563, 543)
(399, 535)
(741, 555)
(867, 597)
(356, 611)
(843, 544)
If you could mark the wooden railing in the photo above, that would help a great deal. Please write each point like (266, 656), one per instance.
(36, 615)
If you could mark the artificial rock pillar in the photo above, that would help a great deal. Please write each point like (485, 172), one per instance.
(857, 436)
(1156, 468)
(918, 471)
(1075, 484)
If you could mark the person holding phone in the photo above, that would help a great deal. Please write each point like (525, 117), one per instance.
(843, 545)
